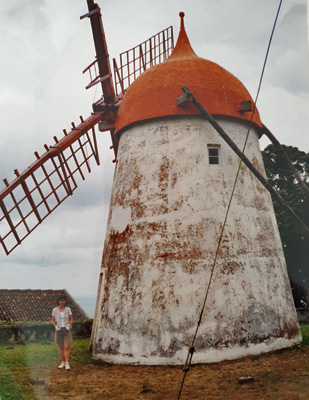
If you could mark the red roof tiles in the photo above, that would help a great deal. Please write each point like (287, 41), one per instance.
(34, 305)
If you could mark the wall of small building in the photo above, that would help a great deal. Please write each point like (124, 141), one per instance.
(40, 331)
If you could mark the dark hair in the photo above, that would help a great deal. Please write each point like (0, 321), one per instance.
(62, 297)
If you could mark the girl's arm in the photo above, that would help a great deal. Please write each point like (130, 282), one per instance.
(53, 321)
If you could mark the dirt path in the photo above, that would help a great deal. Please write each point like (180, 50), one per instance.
(283, 375)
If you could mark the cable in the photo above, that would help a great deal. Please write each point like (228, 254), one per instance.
(191, 349)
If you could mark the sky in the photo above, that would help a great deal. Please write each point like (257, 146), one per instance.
(44, 48)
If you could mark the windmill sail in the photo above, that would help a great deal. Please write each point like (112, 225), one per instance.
(133, 62)
(104, 75)
(43, 186)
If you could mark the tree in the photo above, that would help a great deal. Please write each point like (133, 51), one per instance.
(295, 247)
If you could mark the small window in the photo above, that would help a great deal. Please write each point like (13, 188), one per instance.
(213, 154)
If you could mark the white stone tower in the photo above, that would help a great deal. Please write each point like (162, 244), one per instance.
(173, 180)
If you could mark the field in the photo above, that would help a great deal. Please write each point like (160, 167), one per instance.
(30, 372)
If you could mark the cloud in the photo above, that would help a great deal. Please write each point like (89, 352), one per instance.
(290, 127)
(45, 47)
(68, 244)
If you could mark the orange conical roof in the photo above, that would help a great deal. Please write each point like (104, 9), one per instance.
(154, 93)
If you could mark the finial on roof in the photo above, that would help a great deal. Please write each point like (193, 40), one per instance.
(183, 48)
(182, 24)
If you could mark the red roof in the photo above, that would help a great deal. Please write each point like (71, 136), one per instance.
(154, 93)
(18, 305)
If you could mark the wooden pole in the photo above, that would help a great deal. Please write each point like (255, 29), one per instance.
(188, 96)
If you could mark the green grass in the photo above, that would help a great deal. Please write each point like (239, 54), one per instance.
(21, 364)
(305, 332)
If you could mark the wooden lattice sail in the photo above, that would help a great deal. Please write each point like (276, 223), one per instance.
(36, 192)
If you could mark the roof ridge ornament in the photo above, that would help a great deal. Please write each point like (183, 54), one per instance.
(182, 24)
(183, 49)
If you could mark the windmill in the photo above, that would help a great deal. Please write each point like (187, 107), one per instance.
(122, 333)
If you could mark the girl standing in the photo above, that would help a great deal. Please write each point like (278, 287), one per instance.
(62, 321)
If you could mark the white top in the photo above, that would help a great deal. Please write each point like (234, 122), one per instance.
(61, 315)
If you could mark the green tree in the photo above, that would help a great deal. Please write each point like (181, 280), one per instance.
(296, 248)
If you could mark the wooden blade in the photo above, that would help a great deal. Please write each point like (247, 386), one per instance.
(104, 75)
(135, 61)
(45, 184)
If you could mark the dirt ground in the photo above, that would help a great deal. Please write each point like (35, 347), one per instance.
(282, 375)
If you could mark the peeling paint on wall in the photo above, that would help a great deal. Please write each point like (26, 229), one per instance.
(167, 208)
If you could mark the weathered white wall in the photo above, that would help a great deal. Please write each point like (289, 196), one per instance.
(167, 208)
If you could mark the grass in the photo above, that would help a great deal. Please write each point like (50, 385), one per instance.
(305, 332)
(24, 369)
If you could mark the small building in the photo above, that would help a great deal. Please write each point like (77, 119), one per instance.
(28, 315)
(27, 305)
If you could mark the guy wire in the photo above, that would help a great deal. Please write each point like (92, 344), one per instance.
(191, 349)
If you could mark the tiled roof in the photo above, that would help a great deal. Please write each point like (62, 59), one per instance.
(35, 305)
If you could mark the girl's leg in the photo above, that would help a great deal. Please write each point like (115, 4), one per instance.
(66, 352)
(62, 352)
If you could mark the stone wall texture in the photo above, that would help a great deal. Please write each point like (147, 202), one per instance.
(35, 332)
